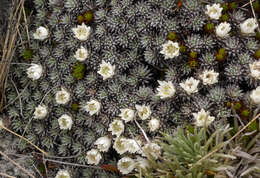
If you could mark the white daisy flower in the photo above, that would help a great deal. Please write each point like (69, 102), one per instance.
(214, 11)
(103, 143)
(65, 122)
(81, 32)
(202, 118)
(62, 174)
(223, 29)
(93, 107)
(144, 111)
(166, 89)
(154, 124)
(152, 149)
(81, 54)
(209, 77)
(40, 112)
(62, 96)
(133, 146)
(127, 114)
(190, 85)
(41, 33)
(249, 26)
(120, 145)
(255, 69)
(170, 49)
(35, 71)
(126, 165)
(93, 156)
(255, 95)
(106, 70)
(117, 127)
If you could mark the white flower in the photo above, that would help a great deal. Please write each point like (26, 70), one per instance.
(62, 96)
(65, 122)
(209, 77)
(103, 143)
(81, 54)
(106, 70)
(255, 69)
(151, 149)
(40, 112)
(170, 49)
(190, 85)
(41, 33)
(223, 29)
(154, 124)
(255, 95)
(133, 146)
(202, 118)
(166, 89)
(116, 127)
(127, 114)
(144, 112)
(214, 11)
(93, 156)
(35, 71)
(120, 145)
(81, 32)
(142, 163)
(126, 165)
(62, 174)
(249, 26)
(92, 107)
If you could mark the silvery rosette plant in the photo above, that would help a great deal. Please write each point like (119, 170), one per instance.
(99, 79)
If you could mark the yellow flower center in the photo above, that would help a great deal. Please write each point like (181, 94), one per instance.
(92, 107)
(81, 32)
(171, 49)
(166, 89)
(105, 70)
(64, 122)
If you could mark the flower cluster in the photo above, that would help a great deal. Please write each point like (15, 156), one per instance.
(139, 64)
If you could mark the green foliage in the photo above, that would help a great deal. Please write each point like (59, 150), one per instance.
(256, 6)
(224, 17)
(172, 36)
(88, 17)
(27, 54)
(183, 153)
(257, 54)
(209, 27)
(79, 71)
(221, 54)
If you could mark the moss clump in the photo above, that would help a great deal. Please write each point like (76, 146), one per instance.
(193, 55)
(27, 54)
(209, 27)
(245, 114)
(256, 6)
(221, 54)
(80, 19)
(172, 36)
(224, 17)
(88, 17)
(79, 71)
(225, 7)
(257, 54)
(183, 49)
(237, 105)
(257, 35)
(232, 6)
(75, 106)
(193, 63)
